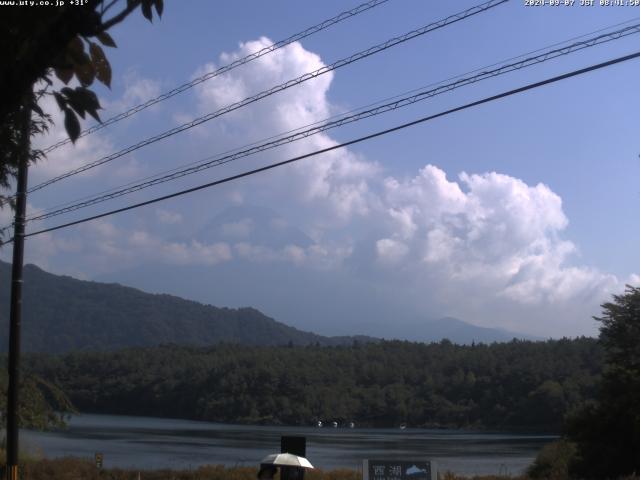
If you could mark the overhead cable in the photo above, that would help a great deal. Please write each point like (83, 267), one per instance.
(416, 96)
(290, 83)
(380, 133)
(225, 68)
(340, 115)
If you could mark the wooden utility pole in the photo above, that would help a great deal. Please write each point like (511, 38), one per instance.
(16, 290)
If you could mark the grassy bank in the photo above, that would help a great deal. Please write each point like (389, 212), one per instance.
(83, 469)
(76, 469)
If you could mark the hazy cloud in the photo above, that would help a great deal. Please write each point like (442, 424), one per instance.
(168, 217)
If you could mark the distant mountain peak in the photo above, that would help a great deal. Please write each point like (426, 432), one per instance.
(459, 331)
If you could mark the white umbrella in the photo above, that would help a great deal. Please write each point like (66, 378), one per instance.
(287, 460)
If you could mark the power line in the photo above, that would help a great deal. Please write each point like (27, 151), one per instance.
(359, 109)
(226, 68)
(354, 110)
(416, 96)
(266, 93)
(323, 125)
(508, 93)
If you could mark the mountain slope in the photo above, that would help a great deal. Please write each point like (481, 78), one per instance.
(62, 314)
(325, 306)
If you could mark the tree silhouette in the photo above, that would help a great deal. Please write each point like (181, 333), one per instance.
(607, 432)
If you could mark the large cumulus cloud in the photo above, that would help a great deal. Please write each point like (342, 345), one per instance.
(488, 227)
(486, 246)
(337, 179)
(487, 235)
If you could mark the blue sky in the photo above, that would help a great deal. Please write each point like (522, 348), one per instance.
(521, 213)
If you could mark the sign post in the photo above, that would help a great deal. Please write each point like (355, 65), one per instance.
(297, 446)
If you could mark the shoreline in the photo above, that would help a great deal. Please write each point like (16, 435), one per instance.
(471, 429)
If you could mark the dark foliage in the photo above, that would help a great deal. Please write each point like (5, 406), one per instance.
(40, 42)
(529, 385)
(43, 404)
(607, 432)
(552, 463)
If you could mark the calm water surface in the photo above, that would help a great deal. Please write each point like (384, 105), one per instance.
(148, 443)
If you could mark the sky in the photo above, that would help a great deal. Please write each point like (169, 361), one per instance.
(520, 213)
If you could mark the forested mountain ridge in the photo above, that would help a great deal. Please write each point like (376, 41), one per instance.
(515, 385)
(62, 314)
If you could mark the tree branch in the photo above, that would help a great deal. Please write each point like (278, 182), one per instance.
(131, 6)
(106, 9)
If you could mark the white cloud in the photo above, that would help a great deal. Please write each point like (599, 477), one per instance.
(69, 156)
(300, 105)
(489, 228)
(96, 145)
(150, 247)
(102, 246)
(488, 238)
(337, 179)
(317, 256)
(391, 251)
(241, 228)
(168, 217)
(256, 253)
(137, 90)
(295, 253)
(102, 229)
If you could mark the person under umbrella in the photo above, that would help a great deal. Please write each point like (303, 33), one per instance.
(292, 466)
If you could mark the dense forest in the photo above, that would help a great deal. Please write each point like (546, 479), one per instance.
(515, 385)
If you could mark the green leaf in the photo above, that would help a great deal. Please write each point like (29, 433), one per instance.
(76, 106)
(146, 10)
(159, 7)
(82, 65)
(71, 124)
(62, 102)
(75, 51)
(89, 98)
(64, 74)
(85, 73)
(106, 40)
(74, 101)
(82, 100)
(76, 45)
(100, 64)
(94, 113)
(88, 101)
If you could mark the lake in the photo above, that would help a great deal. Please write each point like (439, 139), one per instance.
(150, 443)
